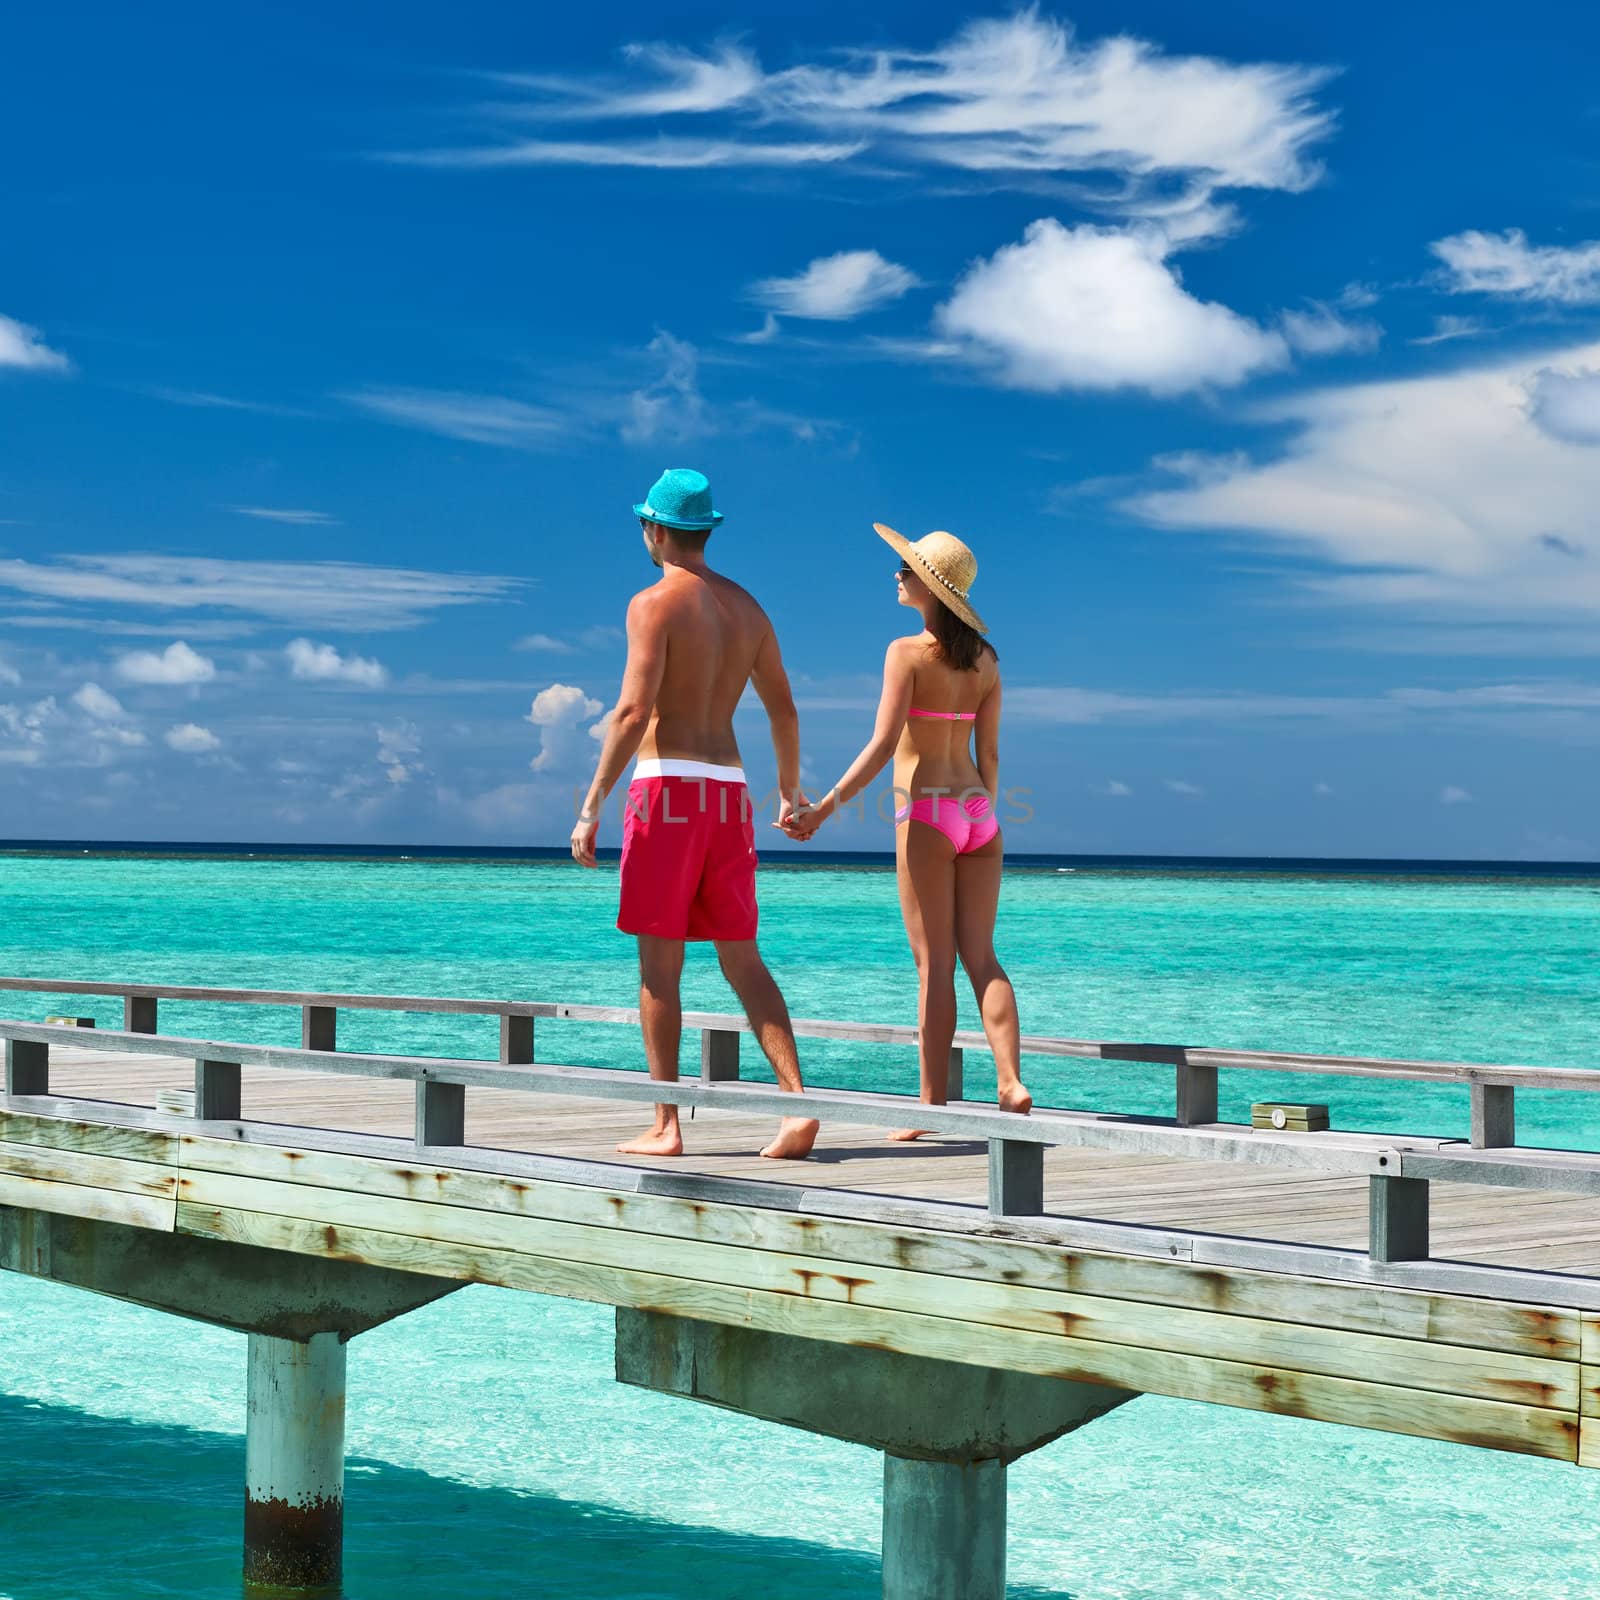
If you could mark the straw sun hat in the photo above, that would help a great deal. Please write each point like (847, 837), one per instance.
(948, 564)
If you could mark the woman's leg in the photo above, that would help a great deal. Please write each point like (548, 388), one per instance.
(927, 901)
(977, 899)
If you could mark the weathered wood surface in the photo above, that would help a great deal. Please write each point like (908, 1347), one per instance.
(1440, 1364)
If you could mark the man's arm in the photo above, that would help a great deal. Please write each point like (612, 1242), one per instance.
(641, 680)
(771, 683)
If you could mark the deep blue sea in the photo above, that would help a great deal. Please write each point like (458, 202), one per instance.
(491, 1452)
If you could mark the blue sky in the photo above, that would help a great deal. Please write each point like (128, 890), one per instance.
(1254, 349)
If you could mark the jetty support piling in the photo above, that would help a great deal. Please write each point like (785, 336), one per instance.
(955, 1083)
(944, 1529)
(294, 1463)
(1197, 1095)
(947, 1430)
(441, 1113)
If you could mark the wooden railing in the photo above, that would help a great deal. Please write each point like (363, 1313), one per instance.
(1399, 1167)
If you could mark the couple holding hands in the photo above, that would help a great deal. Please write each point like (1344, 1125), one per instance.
(695, 640)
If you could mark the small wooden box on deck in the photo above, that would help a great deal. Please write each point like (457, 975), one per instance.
(1289, 1119)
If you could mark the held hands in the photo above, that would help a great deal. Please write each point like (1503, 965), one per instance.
(802, 821)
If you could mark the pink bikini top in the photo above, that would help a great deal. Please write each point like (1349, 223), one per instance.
(944, 716)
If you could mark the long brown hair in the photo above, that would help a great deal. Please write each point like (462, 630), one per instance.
(957, 641)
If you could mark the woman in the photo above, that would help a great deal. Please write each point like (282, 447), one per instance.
(941, 687)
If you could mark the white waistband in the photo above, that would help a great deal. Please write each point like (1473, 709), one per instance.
(672, 767)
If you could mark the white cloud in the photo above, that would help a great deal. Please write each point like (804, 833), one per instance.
(23, 731)
(9, 674)
(1448, 494)
(835, 288)
(1322, 789)
(1020, 97)
(298, 519)
(765, 334)
(1566, 405)
(330, 593)
(1182, 786)
(671, 408)
(21, 346)
(1450, 795)
(476, 418)
(1446, 328)
(97, 703)
(1100, 308)
(557, 712)
(544, 642)
(1321, 331)
(1506, 264)
(321, 663)
(191, 739)
(398, 743)
(177, 664)
(1116, 789)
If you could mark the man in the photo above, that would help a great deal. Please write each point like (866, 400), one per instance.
(688, 846)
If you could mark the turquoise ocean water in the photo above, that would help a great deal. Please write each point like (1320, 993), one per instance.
(491, 1453)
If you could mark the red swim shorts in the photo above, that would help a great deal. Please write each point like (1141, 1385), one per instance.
(688, 852)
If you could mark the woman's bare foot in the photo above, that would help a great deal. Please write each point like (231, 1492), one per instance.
(660, 1141)
(906, 1135)
(796, 1135)
(1016, 1098)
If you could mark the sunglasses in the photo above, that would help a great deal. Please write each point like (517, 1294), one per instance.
(903, 572)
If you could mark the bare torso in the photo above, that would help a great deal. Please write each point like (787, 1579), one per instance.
(934, 754)
(712, 632)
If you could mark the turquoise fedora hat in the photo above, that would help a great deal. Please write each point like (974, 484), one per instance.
(680, 498)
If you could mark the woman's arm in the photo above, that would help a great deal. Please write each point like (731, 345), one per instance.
(986, 739)
(893, 704)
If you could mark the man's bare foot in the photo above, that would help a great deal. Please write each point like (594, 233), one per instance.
(658, 1142)
(906, 1135)
(1017, 1099)
(796, 1135)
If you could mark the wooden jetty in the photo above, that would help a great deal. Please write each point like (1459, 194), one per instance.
(954, 1304)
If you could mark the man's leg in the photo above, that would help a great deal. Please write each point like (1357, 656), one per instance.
(763, 1004)
(661, 1020)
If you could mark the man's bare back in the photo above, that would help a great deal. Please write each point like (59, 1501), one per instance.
(712, 636)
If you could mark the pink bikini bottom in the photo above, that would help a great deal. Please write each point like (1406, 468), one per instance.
(968, 824)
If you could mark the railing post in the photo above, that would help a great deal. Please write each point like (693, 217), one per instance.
(1197, 1095)
(516, 1041)
(1494, 1116)
(719, 1055)
(955, 1087)
(1397, 1219)
(27, 1067)
(441, 1113)
(1016, 1178)
(319, 1028)
(216, 1091)
(139, 1014)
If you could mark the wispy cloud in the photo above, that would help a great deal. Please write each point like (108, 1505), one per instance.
(670, 407)
(1506, 264)
(1468, 495)
(1446, 328)
(837, 287)
(1319, 330)
(476, 418)
(1452, 795)
(24, 348)
(327, 593)
(299, 519)
(206, 400)
(1018, 98)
